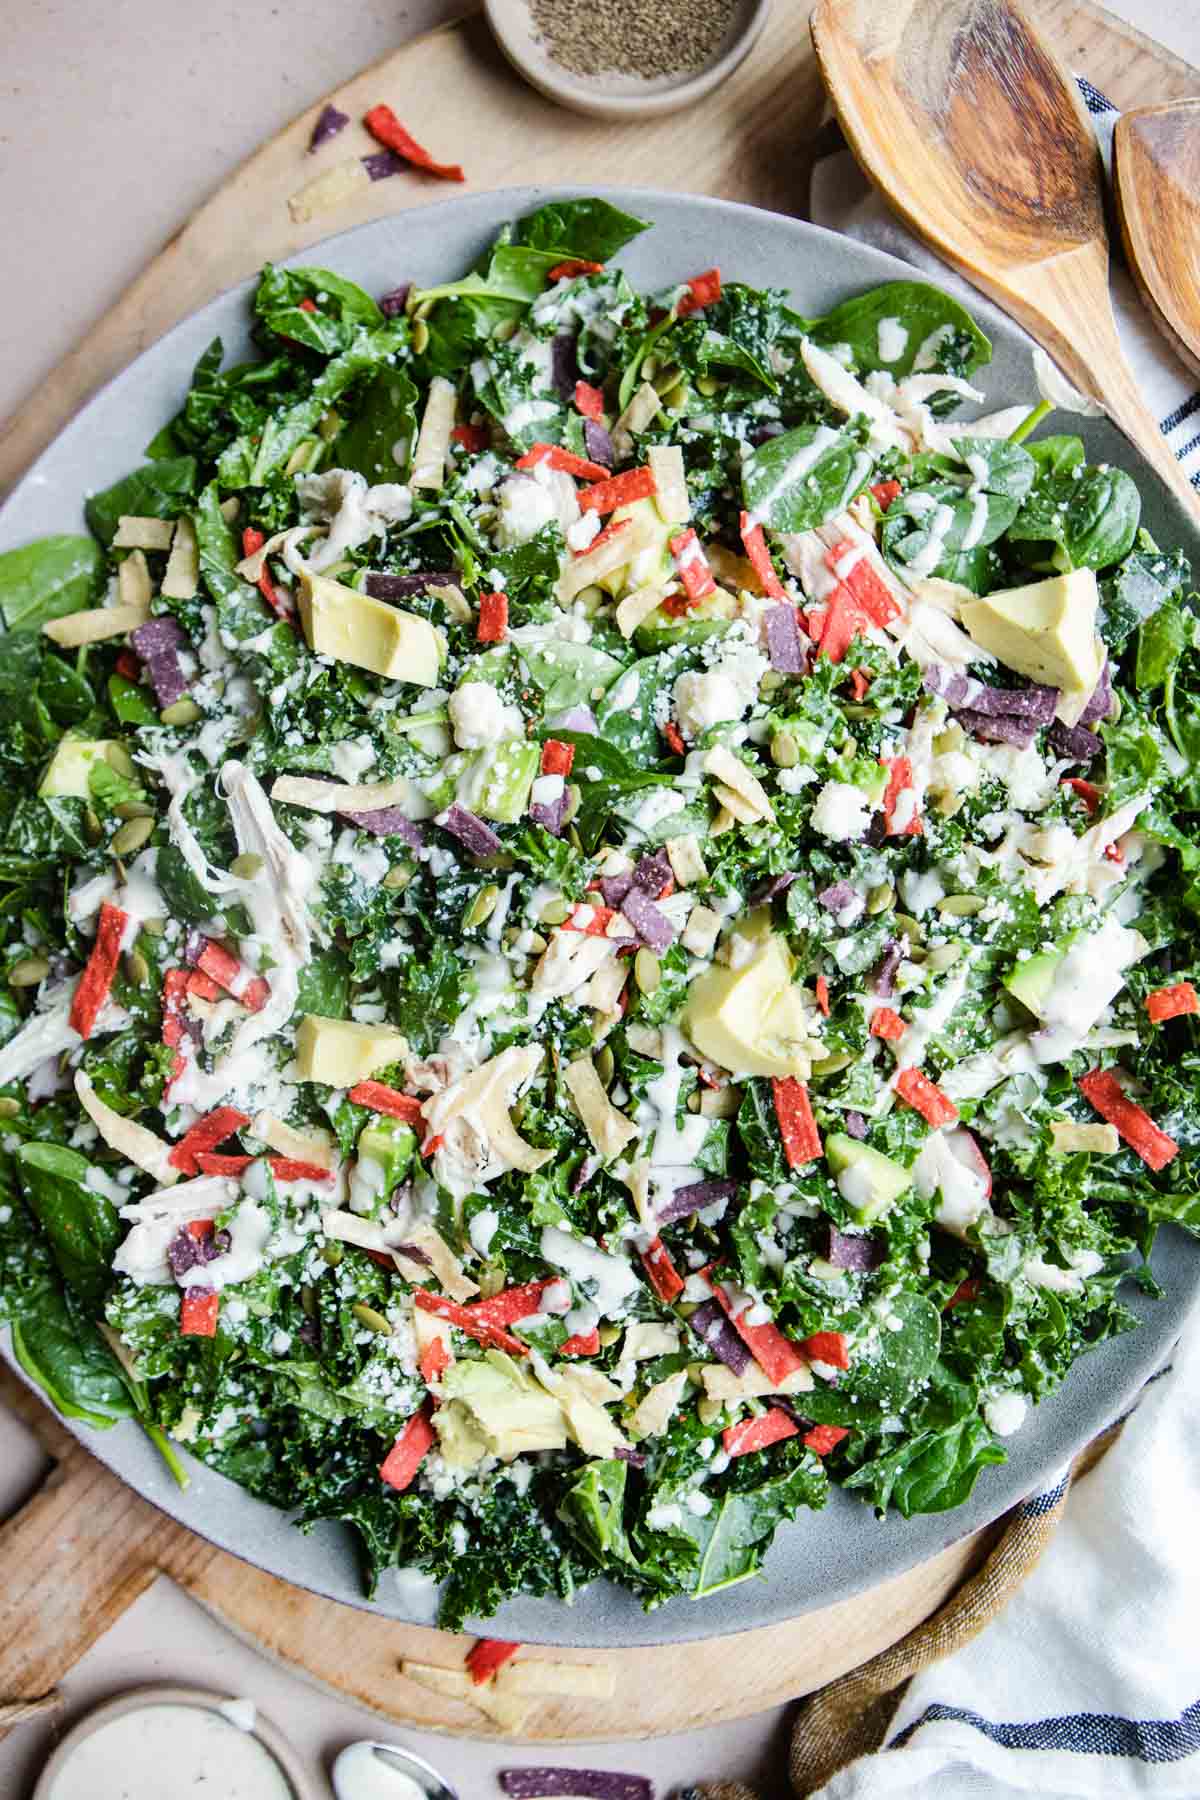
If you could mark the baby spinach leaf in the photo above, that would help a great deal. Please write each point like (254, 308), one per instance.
(1091, 517)
(997, 466)
(590, 229)
(799, 479)
(46, 579)
(81, 1224)
(1057, 455)
(939, 333)
(1136, 591)
(893, 1369)
(1162, 640)
(71, 1363)
(593, 1510)
(931, 1471)
(341, 307)
(384, 423)
(567, 673)
(733, 1537)
(158, 490)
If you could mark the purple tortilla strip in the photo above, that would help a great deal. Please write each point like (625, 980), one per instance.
(651, 924)
(1101, 703)
(387, 821)
(1033, 705)
(784, 1405)
(329, 122)
(403, 587)
(550, 814)
(693, 1197)
(564, 366)
(955, 688)
(785, 646)
(635, 1458)
(1000, 730)
(855, 1250)
(413, 1253)
(717, 1334)
(381, 164)
(158, 642)
(1074, 743)
(885, 969)
(614, 889)
(653, 874)
(186, 1252)
(774, 886)
(856, 1125)
(579, 1784)
(837, 897)
(471, 832)
(394, 302)
(598, 443)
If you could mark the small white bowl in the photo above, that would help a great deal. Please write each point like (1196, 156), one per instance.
(612, 95)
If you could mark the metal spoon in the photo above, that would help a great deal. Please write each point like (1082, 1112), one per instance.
(360, 1772)
(963, 118)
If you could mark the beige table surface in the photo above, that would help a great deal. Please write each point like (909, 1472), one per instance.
(115, 122)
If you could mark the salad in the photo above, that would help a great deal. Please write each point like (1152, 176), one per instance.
(597, 915)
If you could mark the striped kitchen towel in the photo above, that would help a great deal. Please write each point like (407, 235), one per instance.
(842, 199)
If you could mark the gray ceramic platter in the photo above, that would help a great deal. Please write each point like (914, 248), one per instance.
(822, 1557)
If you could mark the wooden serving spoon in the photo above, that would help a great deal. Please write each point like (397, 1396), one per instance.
(975, 135)
(1156, 162)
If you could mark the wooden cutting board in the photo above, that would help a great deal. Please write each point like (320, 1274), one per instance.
(84, 1547)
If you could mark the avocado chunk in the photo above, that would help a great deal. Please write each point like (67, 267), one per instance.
(369, 634)
(68, 770)
(752, 1019)
(496, 781)
(1047, 631)
(1069, 985)
(341, 1051)
(868, 1181)
(385, 1153)
(493, 1402)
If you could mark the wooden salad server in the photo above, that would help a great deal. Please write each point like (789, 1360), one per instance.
(1156, 164)
(975, 135)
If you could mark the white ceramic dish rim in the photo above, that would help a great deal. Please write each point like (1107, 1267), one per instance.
(820, 1558)
(512, 26)
(138, 1700)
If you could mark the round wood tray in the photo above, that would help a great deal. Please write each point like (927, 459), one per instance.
(85, 1546)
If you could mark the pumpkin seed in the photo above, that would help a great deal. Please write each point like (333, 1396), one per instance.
(590, 599)
(574, 801)
(482, 906)
(134, 809)
(880, 898)
(605, 1065)
(492, 1278)
(771, 682)
(131, 837)
(301, 457)
(785, 751)
(247, 865)
(399, 876)
(139, 968)
(420, 337)
(9, 1109)
(831, 1065)
(647, 971)
(708, 385)
(91, 827)
(574, 839)
(961, 906)
(308, 1300)
(721, 1103)
(555, 912)
(666, 378)
(423, 308)
(709, 1411)
(28, 972)
(950, 804)
(374, 1321)
(154, 927)
(943, 957)
(183, 712)
(649, 368)
(504, 330)
(677, 399)
(909, 927)
(329, 425)
(608, 1336)
(333, 1254)
(693, 1102)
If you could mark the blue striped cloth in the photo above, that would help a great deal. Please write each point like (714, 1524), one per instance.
(843, 200)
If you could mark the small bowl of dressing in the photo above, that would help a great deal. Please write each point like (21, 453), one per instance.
(174, 1743)
(626, 59)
